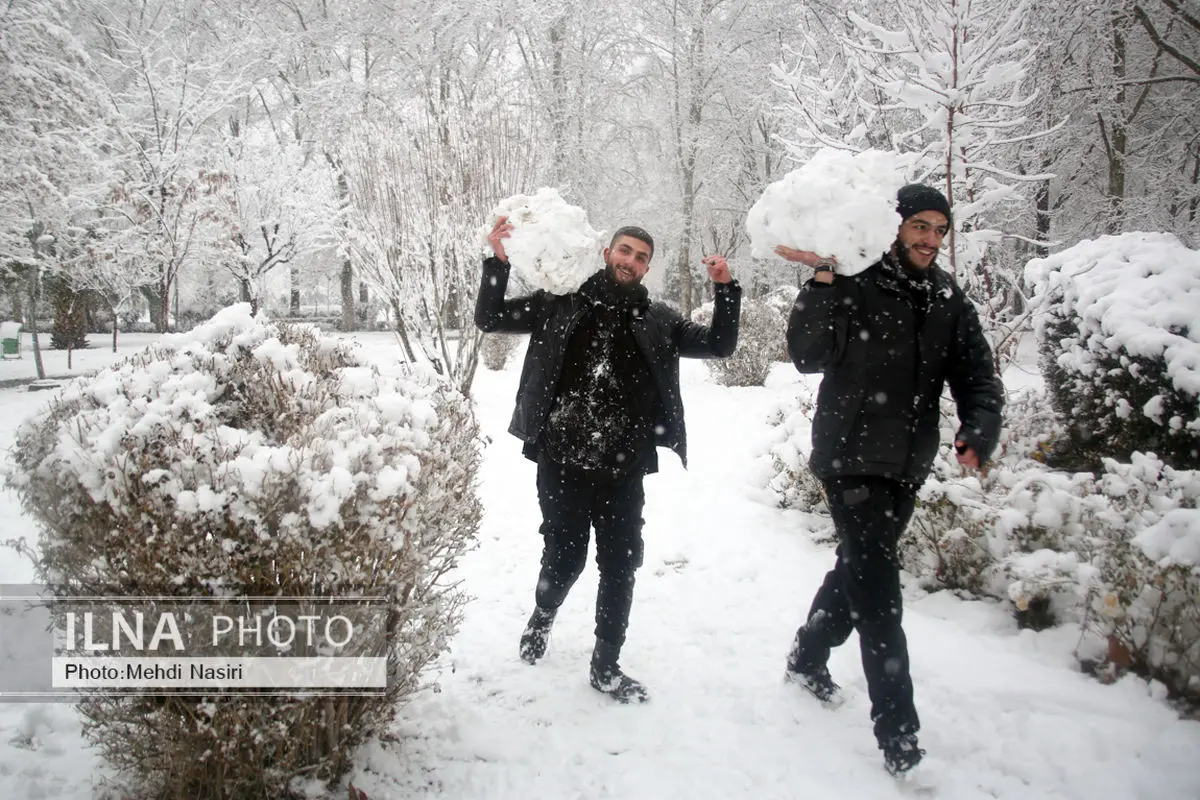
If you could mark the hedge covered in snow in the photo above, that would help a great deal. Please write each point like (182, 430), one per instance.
(1120, 345)
(247, 458)
(499, 348)
(760, 331)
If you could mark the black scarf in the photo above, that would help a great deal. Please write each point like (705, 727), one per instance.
(916, 284)
(603, 408)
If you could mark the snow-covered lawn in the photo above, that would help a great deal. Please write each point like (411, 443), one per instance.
(727, 578)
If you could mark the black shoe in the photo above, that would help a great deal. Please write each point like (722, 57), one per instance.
(901, 753)
(607, 677)
(619, 686)
(818, 683)
(537, 632)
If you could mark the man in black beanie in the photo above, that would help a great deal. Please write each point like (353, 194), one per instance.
(887, 341)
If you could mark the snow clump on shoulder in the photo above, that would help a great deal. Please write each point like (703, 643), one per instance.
(839, 204)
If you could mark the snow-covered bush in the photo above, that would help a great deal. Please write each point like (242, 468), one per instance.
(1120, 347)
(252, 459)
(781, 299)
(498, 348)
(1145, 600)
(552, 246)
(787, 474)
(760, 331)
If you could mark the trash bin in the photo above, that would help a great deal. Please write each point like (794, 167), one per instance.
(10, 339)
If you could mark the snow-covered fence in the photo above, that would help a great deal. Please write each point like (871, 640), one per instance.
(760, 331)
(1120, 347)
(247, 458)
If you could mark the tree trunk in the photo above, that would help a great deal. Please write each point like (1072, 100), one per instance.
(558, 96)
(683, 264)
(347, 277)
(1118, 135)
(156, 304)
(348, 321)
(1042, 212)
(164, 289)
(294, 296)
(34, 293)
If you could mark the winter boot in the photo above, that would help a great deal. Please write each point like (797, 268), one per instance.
(537, 631)
(607, 677)
(819, 684)
(816, 682)
(900, 753)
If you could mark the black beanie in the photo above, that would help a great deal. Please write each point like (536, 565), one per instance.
(917, 197)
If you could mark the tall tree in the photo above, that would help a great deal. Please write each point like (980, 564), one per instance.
(48, 112)
(704, 51)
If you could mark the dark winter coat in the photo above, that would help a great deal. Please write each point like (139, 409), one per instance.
(885, 364)
(661, 333)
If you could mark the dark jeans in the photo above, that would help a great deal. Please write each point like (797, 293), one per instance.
(572, 502)
(862, 592)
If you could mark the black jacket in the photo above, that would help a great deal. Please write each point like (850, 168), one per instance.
(662, 335)
(885, 366)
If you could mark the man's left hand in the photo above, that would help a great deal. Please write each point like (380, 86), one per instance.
(718, 268)
(966, 455)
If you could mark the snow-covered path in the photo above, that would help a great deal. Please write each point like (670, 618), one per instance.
(726, 580)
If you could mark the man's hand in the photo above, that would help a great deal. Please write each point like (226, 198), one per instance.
(501, 230)
(718, 268)
(807, 258)
(966, 456)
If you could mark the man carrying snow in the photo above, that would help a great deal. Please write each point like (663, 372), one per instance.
(887, 340)
(599, 390)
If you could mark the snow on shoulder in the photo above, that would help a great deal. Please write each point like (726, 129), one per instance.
(552, 246)
(839, 204)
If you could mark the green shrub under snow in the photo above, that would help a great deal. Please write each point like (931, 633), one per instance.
(247, 458)
(1120, 347)
(760, 331)
(498, 349)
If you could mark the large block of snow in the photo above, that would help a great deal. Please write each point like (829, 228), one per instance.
(840, 205)
(552, 246)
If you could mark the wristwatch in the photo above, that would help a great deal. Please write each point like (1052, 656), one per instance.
(824, 265)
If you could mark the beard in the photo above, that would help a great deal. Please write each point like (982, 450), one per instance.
(616, 278)
(903, 256)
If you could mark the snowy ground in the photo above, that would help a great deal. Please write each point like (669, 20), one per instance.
(727, 578)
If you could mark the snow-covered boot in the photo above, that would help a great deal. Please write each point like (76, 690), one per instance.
(900, 753)
(816, 681)
(607, 677)
(537, 631)
(819, 683)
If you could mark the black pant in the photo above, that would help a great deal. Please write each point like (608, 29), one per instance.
(572, 501)
(863, 591)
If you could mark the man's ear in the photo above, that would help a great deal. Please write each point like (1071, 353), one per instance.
(604, 255)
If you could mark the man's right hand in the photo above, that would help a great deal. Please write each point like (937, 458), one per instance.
(500, 231)
(808, 258)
